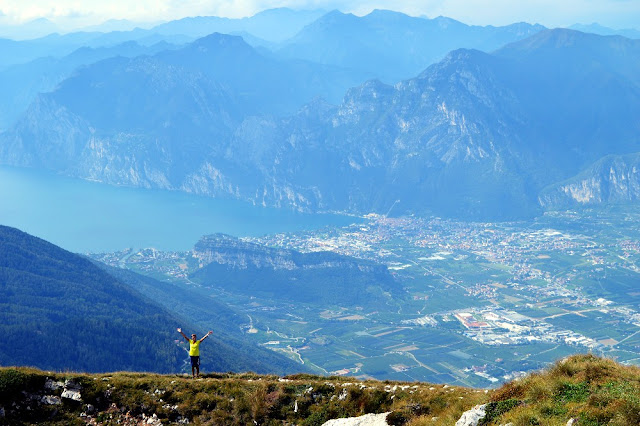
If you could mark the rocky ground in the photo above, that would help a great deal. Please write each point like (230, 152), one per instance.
(581, 390)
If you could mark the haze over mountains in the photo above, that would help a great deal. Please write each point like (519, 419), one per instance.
(393, 46)
(321, 112)
(476, 135)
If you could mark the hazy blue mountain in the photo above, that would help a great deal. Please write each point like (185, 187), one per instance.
(273, 24)
(264, 46)
(165, 114)
(475, 135)
(324, 278)
(14, 52)
(392, 45)
(17, 52)
(57, 46)
(596, 28)
(581, 94)
(20, 84)
(141, 36)
(117, 25)
(29, 30)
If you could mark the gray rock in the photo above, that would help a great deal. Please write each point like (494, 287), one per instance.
(72, 390)
(365, 420)
(473, 416)
(51, 400)
(72, 384)
(572, 422)
(72, 394)
(53, 385)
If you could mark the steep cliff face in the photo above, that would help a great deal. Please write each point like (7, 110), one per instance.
(237, 254)
(612, 180)
(325, 278)
(446, 141)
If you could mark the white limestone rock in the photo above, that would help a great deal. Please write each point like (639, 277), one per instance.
(72, 394)
(473, 416)
(365, 420)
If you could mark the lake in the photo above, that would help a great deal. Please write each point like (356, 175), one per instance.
(83, 216)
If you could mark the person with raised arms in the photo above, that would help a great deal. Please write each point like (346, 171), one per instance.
(194, 351)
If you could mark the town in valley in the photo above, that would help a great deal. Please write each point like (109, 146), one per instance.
(485, 302)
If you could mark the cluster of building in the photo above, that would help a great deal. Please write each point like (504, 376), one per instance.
(494, 327)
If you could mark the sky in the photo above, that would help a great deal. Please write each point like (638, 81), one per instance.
(69, 14)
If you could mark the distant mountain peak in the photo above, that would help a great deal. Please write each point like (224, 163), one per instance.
(564, 38)
(220, 39)
(387, 13)
(334, 16)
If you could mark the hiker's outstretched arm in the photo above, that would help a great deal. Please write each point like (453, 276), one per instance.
(183, 335)
(206, 335)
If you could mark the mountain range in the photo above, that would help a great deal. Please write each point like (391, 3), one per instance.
(596, 28)
(21, 83)
(476, 135)
(392, 45)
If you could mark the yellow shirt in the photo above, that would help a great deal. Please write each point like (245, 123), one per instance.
(194, 348)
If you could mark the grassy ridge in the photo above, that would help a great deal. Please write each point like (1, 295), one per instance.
(593, 390)
(216, 399)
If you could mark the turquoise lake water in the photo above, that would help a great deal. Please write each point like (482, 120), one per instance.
(83, 216)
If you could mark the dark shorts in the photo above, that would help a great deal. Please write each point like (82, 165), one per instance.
(195, 361)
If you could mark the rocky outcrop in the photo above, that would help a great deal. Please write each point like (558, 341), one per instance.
(611, 180)
(71, 391)
(472, 417)
(323, 277)
(364, 420)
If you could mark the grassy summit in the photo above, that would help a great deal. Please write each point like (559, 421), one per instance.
(592, 390)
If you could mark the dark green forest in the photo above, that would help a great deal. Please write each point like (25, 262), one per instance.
(59, 311)
(226, 349)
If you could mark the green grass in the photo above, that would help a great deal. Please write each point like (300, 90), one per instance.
(594, 390)
(230, 399)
